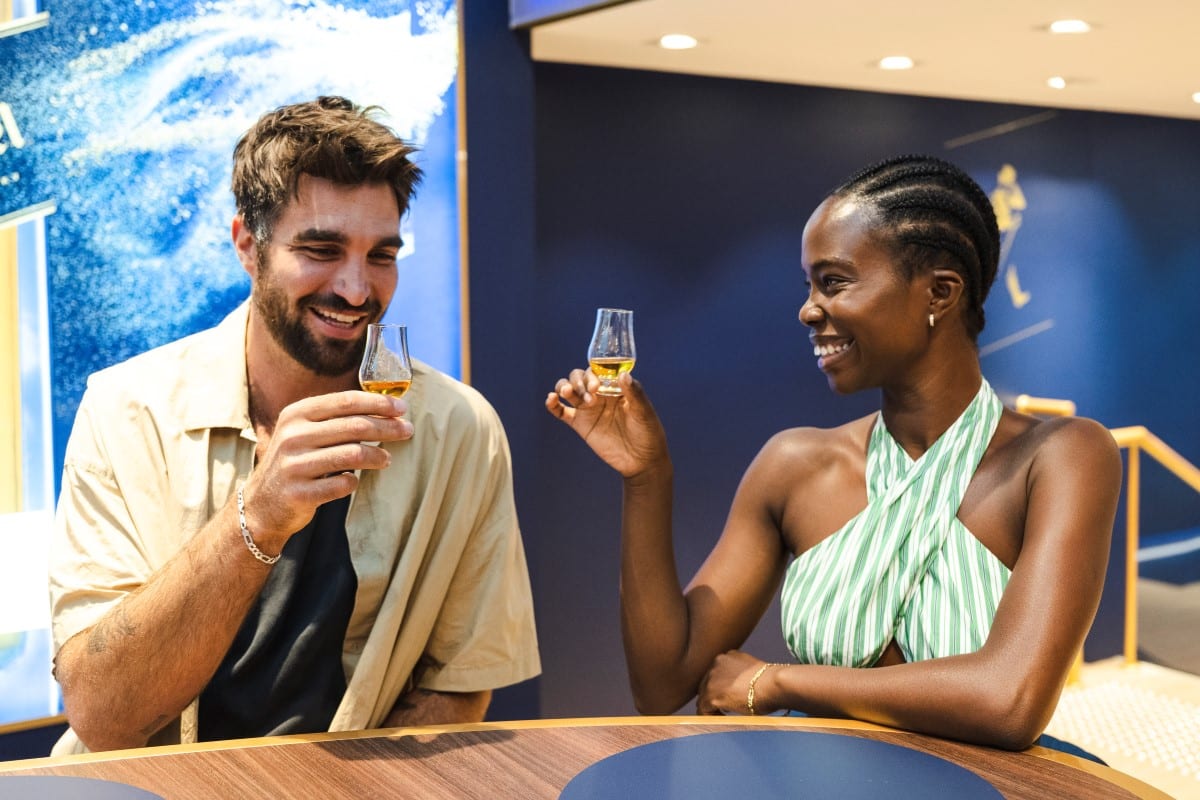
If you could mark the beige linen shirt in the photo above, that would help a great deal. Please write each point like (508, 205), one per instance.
(159, 445)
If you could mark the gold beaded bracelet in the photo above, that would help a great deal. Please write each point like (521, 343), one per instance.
(754, 680)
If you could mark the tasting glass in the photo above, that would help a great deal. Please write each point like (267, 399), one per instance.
(386, 368)
(612, 351)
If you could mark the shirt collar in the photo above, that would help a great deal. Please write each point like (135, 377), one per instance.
(219, 396)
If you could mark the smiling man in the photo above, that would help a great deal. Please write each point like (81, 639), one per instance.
(248, 545)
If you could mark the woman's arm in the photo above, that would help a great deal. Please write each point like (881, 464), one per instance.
(1004, 694)
(671, 635)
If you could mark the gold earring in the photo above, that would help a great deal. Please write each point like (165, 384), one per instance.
(931, 319)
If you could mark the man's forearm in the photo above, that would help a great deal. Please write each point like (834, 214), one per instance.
(141, 664)
(427, 707)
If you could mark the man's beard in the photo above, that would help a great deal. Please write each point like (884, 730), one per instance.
(326, 357)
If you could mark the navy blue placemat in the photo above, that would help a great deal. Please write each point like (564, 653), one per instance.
(62, 787)
(765, 764)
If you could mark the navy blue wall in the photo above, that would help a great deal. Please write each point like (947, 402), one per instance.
(500, 185)
(30, 742)
(684, 199)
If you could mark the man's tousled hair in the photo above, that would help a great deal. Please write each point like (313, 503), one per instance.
(329, 138)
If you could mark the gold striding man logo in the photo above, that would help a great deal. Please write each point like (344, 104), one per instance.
(1008, 201)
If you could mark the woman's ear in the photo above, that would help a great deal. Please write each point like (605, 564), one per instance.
(945, 292)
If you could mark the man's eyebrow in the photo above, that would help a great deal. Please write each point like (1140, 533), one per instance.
(337, 237)
(319, 235)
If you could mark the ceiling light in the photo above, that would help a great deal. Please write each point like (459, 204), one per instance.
(677, 41)
(895, 62)
(1069, 26)
(1057, 82)
(1196, 97)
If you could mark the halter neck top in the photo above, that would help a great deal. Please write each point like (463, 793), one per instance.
(905, 568)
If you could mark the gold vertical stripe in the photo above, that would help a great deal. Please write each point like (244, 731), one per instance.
(460, 171)
(5, 10)
(10, 375)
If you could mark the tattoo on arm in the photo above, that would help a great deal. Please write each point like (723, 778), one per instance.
(123, 623)
(115, 623)
(97, 641)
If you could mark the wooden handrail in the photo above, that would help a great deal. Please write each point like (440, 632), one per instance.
(1136, 439)
(1046, 406)
(1160, 451)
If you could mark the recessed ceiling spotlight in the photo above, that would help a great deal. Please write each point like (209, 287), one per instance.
(895, 62)
(1196, 97)
(1069, 26)
(677, 41)
(1057, 82)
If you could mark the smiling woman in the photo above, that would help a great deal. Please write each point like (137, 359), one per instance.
(916, 550)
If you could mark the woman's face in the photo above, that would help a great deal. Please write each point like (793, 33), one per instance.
(868, 321)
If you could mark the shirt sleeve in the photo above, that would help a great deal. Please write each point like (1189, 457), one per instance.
(95, 556)
(484, 636)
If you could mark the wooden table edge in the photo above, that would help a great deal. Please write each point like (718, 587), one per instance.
(1114, 776)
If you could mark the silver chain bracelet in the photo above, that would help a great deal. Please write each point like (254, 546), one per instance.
(259, 554)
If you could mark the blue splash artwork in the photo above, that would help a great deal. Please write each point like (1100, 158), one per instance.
(130, 111)
(122, 115)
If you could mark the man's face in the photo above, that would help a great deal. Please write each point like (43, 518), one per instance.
(329, 270)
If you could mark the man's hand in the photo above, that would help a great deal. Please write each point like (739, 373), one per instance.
(317, 446)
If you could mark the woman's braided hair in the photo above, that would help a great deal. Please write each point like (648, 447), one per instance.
(938, 217)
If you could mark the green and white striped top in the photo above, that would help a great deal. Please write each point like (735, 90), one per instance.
(905, 568)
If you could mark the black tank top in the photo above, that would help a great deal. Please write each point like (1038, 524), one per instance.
(283, 673)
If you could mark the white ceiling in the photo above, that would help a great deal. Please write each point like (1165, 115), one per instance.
(1142, 56)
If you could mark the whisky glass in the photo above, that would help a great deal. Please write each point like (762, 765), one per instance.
(386, 368)
(612, 351)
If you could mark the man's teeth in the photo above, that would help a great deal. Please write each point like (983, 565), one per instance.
(345, 319)
(823, 350)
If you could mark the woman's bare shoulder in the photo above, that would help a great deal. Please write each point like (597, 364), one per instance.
(810, 448)
(810, 480)
(1053, 448)
(1056, 437)
(1077, 441)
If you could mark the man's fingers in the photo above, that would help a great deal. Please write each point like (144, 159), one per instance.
(348, 458)
(336, 405)
(302, 434)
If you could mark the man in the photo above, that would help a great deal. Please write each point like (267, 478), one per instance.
(246, 544)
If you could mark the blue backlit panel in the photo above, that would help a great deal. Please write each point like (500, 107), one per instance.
(118, 119)
(127, 114)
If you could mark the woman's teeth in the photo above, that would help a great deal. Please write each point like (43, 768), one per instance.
(823, 350)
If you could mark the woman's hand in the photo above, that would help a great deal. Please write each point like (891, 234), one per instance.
(623, 430)
(725, 689)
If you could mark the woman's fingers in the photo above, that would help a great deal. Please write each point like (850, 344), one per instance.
(558, 408)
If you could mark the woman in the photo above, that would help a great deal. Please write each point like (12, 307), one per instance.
(953, 545)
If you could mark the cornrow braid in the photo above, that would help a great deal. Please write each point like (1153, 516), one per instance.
(933, 210)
